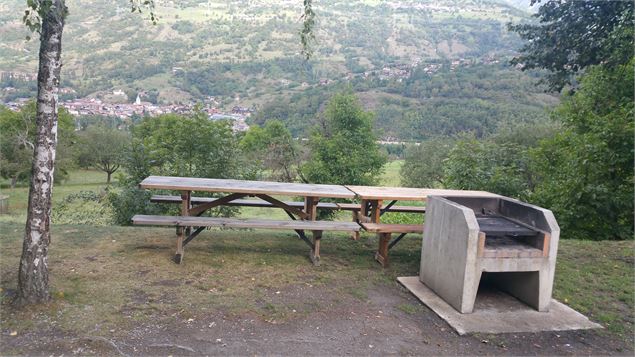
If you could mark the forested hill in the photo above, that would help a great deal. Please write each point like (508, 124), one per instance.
(427, 67)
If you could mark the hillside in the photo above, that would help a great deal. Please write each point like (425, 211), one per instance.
(246, 52)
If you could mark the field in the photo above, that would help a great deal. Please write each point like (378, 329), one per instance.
(116, 291)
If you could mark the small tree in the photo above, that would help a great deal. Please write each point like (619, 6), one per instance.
(486, 165)
(344, 149)
(423, 165)
(176, 145)
(102, 148)
(274, 149)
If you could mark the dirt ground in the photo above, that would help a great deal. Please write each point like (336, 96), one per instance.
(344, 327)
(116, 292)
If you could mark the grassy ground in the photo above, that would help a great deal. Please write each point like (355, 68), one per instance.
(391, 175)
(79, 180)
(107, 279)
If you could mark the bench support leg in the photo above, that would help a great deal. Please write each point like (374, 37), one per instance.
(315, 251)
(180, 233)
(382, 253)
(355, 235)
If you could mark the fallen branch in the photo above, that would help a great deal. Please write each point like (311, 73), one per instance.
(103, 339)
(172, 345)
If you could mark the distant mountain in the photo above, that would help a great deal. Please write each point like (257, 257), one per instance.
(106, 47)
(246, 52)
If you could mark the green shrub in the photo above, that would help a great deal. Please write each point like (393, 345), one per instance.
(84, 207)
(129, 201)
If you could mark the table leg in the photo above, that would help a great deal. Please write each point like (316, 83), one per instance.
(310, 208)
(181, 232)
(363, 211)
(315, 252)
(384, 238)
(355, 235)
(375, 212)
(382, 253)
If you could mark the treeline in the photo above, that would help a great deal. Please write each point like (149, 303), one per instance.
(341, 149)
(480, 98)
(580, 165)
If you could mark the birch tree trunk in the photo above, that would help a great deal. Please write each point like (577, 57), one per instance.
(33, 278)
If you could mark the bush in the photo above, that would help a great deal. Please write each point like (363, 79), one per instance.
(84, 207)
(130, 201)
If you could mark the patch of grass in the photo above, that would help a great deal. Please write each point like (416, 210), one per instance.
(410, 309)
(79, 180)
(391, 176)
(596, 278)
(107, 278)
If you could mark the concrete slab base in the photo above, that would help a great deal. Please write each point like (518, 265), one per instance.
(498, 312)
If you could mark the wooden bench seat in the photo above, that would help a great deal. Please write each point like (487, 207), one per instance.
(244, 223)
(392, 228)
(239, 202)
(404, 209)
(200, 223)
(385, 232)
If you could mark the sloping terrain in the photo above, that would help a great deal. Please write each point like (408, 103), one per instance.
(246, 52)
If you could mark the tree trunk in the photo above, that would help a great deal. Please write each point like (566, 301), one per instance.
(14, 181)
(33, 279)
(108, 178)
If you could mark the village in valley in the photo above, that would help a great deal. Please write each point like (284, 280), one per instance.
(125, 108)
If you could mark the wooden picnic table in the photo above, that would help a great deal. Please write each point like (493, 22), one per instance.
(238, 189)
(366, 214)
(372, 197)
(372, 207)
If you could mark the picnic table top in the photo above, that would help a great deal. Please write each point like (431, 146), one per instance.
(244, 186)
(409, 193)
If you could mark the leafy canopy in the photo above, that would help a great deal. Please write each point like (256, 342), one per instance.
(586, 171)
(102, 148)
(344, 149)
(490, 166)
(273, 148)
(423, 165)
(573, 35)
(17, 141)
(189, 146)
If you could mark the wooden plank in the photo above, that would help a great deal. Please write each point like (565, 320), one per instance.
(375, 211)
(284, 206)
(218, 202)
(240, 202)
(245, 186)
(193, 221)
(546, 240)
(481, 244)
(410, 194)
(310, 208)
(403, 209)
(392, 228)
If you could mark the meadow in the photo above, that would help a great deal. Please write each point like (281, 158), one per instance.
(110, 283)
